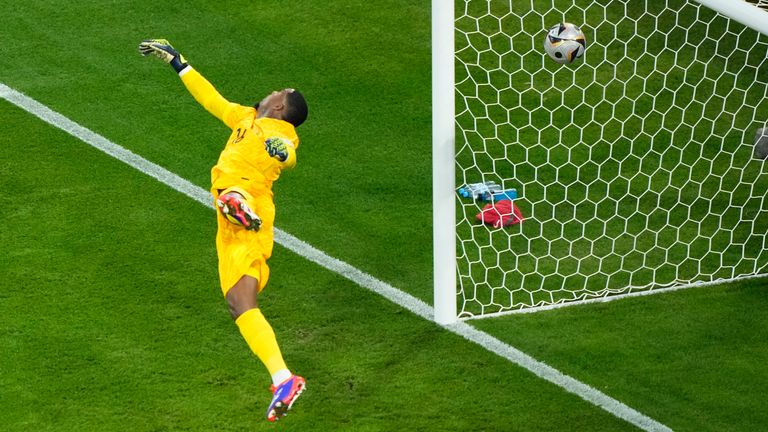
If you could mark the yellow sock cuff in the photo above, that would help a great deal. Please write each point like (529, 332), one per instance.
(261, 339)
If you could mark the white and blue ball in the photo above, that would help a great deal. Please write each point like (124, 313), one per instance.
(565, 43)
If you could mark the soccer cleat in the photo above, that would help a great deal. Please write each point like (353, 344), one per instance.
(284, 396)
(235, 209)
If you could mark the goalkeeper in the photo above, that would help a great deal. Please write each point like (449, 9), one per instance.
(263, 142)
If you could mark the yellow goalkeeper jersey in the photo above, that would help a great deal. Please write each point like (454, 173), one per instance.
(244, 162)
(245, 165)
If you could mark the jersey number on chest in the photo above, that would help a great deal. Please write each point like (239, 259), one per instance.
(239, 135)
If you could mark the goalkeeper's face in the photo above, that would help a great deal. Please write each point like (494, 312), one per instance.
(286, 104)
(273, 104)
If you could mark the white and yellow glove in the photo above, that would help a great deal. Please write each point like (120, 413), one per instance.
(163, 50)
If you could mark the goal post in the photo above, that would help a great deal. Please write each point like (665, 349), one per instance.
(443, 161)
(634, 166)
(740, 11)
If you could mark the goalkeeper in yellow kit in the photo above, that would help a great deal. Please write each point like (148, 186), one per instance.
(263, 142)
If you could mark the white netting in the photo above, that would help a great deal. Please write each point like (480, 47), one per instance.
(634, 165)
(760, 3)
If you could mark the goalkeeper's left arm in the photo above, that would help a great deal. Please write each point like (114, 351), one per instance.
(202, 90)
(282, 150)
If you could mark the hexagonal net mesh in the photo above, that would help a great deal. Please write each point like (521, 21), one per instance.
(760, 3)
(634, 165)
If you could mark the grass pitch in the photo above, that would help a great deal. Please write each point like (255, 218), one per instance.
(111, 317)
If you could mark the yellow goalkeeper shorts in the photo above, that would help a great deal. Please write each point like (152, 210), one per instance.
(243, 252)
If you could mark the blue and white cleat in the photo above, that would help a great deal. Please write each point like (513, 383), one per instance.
(284, 396)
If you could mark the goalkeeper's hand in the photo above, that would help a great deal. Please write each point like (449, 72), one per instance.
(277, 148)
(163, 50)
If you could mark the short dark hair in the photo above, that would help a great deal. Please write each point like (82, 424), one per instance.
(295, 108)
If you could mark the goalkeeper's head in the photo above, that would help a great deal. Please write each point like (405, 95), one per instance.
(286, 104)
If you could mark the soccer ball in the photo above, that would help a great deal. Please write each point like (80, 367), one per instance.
(565, 43)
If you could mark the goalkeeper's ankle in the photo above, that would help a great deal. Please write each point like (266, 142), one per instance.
(281, 376)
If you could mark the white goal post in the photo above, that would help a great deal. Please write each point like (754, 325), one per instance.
(634, 165)
(443, 161)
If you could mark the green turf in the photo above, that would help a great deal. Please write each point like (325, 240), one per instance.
(116, 323)
(703, 348)
(112, 319)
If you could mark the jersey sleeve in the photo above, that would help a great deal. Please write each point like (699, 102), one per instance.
(290, 161)
(286, 132)
(206, 95)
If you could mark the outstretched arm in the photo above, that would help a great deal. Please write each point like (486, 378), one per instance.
(202, 90)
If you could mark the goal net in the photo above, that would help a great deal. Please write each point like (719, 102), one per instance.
(634, 166)
(761, 3)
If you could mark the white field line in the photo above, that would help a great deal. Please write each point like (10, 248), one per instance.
(361, 278)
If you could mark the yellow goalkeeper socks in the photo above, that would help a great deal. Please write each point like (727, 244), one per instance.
(261, 338)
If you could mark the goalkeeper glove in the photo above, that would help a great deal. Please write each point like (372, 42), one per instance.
(163, 50)
(277, 148)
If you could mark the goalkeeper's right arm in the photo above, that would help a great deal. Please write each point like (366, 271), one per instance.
(202, 90)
